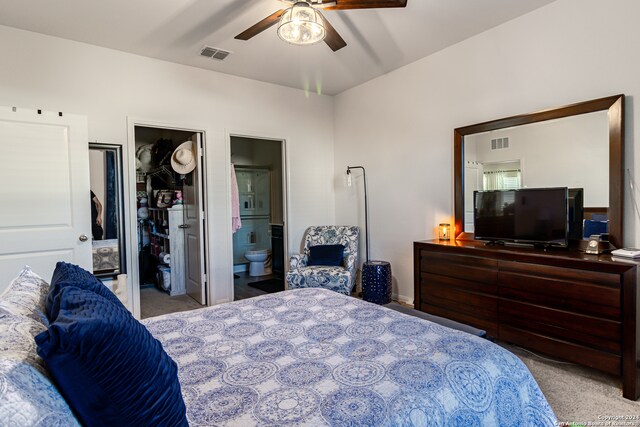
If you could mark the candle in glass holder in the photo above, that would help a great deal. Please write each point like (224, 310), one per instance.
(444, 232)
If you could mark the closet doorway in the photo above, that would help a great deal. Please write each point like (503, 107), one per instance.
(258, 211)
(170, 217)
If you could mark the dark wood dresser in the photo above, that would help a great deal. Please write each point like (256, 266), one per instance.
(563, 303)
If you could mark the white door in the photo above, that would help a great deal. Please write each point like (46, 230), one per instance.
(193, 220)
(45, 215)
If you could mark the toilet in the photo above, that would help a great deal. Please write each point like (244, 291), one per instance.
(260, 262)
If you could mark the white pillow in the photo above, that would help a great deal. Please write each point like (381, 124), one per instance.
(27, 395)
(17, 339)
(26, 296)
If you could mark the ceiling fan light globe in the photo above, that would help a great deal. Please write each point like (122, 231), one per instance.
(301, 25)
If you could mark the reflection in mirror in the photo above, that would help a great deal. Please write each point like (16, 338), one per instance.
(579, 162)
(502, 175)
(566, 152)
(105, 166)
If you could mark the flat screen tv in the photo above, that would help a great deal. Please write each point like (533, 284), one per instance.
(536, 216)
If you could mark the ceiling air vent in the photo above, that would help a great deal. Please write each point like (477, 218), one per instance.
(214, 53)
(500, 143)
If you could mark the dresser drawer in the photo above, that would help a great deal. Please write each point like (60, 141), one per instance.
(437, 289)
(433, 279)
(459, 266)
(595, 277)
(594, 332)
(451, 298)
(591, 293)
(584, 355)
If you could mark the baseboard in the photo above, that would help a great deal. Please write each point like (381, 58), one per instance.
(403, 299)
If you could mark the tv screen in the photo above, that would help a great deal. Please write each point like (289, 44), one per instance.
(528, 215)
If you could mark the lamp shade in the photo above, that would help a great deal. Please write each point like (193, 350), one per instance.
(301, 24)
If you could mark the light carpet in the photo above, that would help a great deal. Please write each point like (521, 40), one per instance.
(580, 395)
(154, 302)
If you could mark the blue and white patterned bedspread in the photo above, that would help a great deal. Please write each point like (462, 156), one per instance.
(315, 357)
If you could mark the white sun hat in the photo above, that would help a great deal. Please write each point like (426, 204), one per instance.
(183, 159)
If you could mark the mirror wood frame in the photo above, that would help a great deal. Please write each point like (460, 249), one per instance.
(615, 107)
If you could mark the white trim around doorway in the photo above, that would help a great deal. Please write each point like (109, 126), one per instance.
(285, 195)
(130, 205)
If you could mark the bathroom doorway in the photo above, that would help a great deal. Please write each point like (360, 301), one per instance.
(258, 211)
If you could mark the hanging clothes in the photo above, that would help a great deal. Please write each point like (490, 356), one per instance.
(236, 224)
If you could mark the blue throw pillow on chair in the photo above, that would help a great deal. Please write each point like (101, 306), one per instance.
(67, 274)
(107, 365)
(326, 255)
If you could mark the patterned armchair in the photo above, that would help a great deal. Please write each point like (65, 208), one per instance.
(339, 279)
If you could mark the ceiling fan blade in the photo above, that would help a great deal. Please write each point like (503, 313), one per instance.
(366, 4)
(260, 26)
(332, 39)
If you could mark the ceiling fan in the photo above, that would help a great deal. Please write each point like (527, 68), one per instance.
(303, 24)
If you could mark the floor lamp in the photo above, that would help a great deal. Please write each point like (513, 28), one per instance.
(376, 275)
(366, 205)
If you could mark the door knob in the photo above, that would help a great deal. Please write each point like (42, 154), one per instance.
(83, 238)
(183, 226)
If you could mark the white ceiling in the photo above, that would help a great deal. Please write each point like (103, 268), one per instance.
(378, 40)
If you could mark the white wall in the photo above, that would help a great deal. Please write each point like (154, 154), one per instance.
(109, 86)
(400, 126)
(556, 153)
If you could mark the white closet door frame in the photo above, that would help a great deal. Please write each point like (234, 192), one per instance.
(133, 286)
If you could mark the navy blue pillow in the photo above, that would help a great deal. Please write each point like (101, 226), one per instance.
(67, 274)
(328, 255)
(594, 227)
(107, 365)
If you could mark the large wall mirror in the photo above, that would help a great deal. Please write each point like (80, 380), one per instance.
(576, 146)
(107, 213)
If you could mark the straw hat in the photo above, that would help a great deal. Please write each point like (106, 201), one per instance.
(183, 160)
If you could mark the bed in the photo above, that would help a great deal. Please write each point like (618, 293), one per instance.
(303, 357)
(315, 357)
